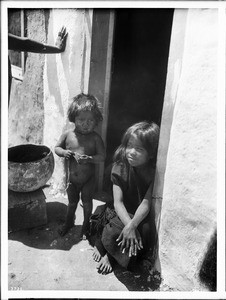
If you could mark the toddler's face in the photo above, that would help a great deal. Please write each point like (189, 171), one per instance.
(85, 122)
(136, 154)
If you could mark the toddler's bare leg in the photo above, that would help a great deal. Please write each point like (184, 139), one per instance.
(69, 223)
(73, 198)
(87, 208)
(87, 201)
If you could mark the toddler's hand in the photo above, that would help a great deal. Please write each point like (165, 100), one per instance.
(77, 156)
(68, 153)
(84, 159)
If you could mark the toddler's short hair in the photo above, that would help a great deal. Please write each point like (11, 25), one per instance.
(84, 102)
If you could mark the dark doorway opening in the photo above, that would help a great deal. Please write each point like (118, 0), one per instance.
(139, 67)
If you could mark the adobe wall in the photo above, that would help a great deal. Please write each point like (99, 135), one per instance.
(26, 114)
(38, 106)
(188, 215)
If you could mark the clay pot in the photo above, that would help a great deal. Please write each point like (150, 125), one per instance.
(29, 167)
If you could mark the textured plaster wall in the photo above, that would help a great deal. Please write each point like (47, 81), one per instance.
(65, 76)
(188, 216)
(26, 114)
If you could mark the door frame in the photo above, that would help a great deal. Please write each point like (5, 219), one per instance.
(101, 70)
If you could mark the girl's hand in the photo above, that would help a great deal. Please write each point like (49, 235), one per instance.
(130, 239)
(136, 245)
(68, 153)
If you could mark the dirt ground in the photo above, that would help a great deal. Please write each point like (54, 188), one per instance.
(39, 259)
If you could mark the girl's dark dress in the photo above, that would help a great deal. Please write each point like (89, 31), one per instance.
(134, 191)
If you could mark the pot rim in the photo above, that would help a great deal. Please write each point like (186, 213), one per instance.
(30, 162)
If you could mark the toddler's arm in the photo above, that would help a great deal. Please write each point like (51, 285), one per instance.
(60, 148)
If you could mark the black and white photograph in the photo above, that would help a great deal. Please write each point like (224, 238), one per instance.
(113, 150)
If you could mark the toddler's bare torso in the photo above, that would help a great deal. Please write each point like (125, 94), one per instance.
(81, 144)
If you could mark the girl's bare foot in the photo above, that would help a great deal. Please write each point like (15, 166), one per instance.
(96, 254)
(104, 266)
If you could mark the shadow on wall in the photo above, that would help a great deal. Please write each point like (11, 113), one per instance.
(208, 270)
(74, 58)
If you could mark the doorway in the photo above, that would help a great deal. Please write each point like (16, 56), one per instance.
(139, 68)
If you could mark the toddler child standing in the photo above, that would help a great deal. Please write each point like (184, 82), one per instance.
(83, 148)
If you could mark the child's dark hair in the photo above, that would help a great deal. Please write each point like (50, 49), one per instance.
(84, 102)
(148, 134)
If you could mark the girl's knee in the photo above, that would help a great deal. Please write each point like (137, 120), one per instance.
(148, 226)
(148, 233)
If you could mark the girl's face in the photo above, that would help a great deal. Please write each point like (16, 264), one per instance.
(85, 122)
(136, 154)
